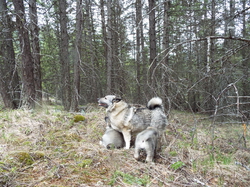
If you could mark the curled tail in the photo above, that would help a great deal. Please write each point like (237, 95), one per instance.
(154, 103)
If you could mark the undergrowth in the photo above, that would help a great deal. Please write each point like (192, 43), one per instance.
(48, 147)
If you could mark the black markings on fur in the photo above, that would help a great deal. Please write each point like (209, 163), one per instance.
(139, 109)
(116, 100)
(154, 107)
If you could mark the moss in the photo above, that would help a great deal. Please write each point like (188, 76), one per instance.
(37, 155)
(78, 118)
(27, 158)
(24, 158)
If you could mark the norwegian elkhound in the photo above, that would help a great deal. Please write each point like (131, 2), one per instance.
(132, 119)
(146, 140)
(112, 139)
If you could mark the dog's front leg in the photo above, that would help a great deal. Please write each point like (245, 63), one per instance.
(127, 137)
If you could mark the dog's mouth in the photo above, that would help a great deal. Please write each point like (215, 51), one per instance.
(103, 105)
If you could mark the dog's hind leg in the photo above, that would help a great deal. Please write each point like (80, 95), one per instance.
(137, 153)
(150, 155)
(127, 137)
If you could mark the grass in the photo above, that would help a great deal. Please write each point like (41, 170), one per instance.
(46, 147)
(129, 179)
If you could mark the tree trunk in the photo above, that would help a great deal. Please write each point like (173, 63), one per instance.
(78, 42)
(9, 80)
(34, 30)
(166, 44)
(27, 66)
(104, 33)
(245, 64)
(139, 24)
(64, 56)
(109, 47)
(209, 57)
(152, 41)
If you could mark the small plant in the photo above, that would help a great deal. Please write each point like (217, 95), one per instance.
(223, 158)
(177, 165)
(129, 179)
(194, 165)
(173, 153)
(85, 163)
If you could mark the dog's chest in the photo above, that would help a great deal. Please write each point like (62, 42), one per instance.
(121, 118)
(115, 127)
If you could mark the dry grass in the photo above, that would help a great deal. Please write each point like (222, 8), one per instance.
(46, 148)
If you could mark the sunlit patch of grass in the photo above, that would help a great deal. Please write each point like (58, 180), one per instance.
(129, 179)
(85, 163)
(224, 158)
(205, 164)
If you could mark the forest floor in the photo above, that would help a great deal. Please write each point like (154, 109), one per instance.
(45, 147)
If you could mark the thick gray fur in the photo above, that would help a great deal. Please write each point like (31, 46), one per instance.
(146, 140)
(112, 139)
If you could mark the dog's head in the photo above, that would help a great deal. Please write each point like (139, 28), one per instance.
(108, 100)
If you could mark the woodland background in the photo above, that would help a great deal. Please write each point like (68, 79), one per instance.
(192, 53)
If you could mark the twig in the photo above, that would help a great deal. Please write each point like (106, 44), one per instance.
(199, 182)
(239, 163)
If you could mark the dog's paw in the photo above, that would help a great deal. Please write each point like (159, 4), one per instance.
(136, 156)
(100, 142)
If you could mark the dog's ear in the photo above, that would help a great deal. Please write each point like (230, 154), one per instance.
(116, 99)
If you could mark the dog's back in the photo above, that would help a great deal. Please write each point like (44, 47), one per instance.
(152, 115)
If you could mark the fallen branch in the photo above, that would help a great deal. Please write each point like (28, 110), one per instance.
(243, 165)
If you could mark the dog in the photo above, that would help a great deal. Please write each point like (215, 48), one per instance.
(133, 119)
(146, 140)
(112, 139)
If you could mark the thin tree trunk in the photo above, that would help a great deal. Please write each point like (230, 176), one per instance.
(78, 42)
(104, 33)
(35, 48)
(64, 56)
(109, 47)
(139, 41)
(211, 103)
(245, 62)
(166, 43)
(152, 41)
(27, 66)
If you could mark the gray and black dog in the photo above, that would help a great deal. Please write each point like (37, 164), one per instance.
(133, 119)
(112, 139)
(146, 140)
